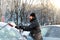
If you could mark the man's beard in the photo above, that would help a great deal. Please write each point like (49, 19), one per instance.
(32, 19)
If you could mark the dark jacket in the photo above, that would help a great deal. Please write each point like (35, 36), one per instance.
(33, 28)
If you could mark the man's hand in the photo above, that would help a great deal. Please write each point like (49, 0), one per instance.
(19, 27)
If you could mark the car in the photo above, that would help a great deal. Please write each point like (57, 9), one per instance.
(50, 32)
(10, 33)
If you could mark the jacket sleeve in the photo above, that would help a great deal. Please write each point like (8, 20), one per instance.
(30, 27)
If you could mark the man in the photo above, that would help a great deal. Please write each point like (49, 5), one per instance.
(34, 28)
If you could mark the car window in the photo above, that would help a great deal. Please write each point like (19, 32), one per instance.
(51, 31)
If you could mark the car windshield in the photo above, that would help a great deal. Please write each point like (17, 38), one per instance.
(8, 33)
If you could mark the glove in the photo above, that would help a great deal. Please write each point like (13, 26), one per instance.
(19, 27)
(16, 27)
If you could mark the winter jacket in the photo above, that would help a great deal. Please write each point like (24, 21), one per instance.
(34, 29)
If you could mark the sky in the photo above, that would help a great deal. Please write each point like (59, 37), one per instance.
(33, 2)
(56, 3)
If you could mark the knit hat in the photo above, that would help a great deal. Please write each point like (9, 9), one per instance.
(32, 14)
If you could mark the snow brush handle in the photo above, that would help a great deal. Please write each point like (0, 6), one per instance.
(10, 24)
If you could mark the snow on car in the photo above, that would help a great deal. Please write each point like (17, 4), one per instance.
(10, 33)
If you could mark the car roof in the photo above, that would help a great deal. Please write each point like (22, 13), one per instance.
(51, 26)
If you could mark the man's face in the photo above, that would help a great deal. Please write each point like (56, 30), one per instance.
(30, 17)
